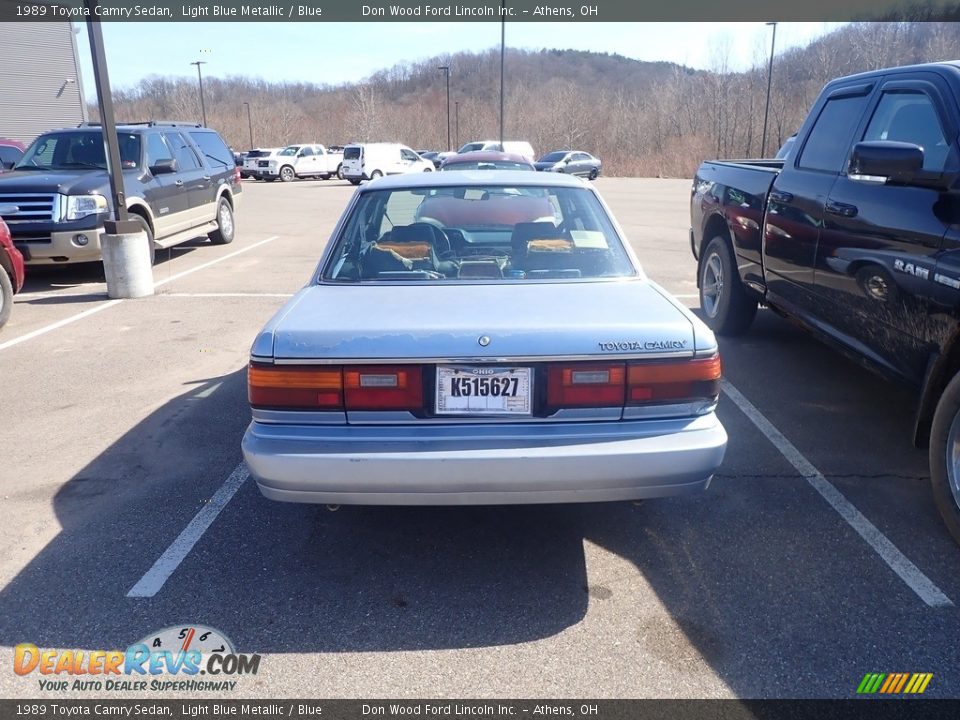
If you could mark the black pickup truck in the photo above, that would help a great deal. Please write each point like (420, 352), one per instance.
(855, 235)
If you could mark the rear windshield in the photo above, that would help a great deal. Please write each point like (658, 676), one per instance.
(477, 233)
(351, 153)
(77, 151)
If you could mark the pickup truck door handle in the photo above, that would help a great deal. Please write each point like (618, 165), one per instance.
(841, 209)
(779, 196)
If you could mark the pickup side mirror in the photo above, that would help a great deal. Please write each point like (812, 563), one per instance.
(883, 160)
(164, 167)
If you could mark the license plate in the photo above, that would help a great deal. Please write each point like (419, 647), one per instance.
(464, 390)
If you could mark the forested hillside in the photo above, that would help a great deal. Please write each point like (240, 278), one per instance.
(643, 119)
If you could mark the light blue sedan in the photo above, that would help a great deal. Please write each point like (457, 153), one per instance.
(481, 338)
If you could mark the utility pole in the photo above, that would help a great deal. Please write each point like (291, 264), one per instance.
(503, 45)
(249, 124)
(457, 117)
(203, 108)
(446, 70)
(766, 112)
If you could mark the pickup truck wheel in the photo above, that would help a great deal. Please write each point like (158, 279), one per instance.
(354, 182)
(287, 174)
(226, 228)
(6, 297)
(945, 457)
(145, 226)
(728, 307)
(340, 171)
(376, 174)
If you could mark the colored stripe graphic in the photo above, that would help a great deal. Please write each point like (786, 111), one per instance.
(894, 683)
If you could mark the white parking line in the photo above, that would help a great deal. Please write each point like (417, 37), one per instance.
(87, 313)
(150, 584)
(896, 560)
(59, 324)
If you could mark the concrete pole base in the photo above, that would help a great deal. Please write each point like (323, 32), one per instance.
(126, 265)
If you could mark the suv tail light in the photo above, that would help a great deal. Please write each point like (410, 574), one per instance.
(383, 387)
(673, 381)
(585, 385)
(295, 386)
(236, 175)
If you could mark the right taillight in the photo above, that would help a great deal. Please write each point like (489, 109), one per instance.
(673, 381)
(295, 386)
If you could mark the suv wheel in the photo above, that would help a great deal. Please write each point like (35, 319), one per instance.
(145, 227)
(727, 306)
(287, 174)
(340, 171)
(226, 228)
(945, 457)
(6, 297)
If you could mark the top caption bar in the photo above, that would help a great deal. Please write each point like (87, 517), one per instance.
(473, 11)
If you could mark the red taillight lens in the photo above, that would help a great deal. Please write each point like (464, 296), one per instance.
(295, 386)
(585, 385)
(236, 175)
(672, 381)
(383, 387)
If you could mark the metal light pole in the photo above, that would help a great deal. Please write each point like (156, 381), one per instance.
(203, 108)
(766, 112)
(503, 45)
(249, 124)
(446, 70)
(107, 122)
(456, 106)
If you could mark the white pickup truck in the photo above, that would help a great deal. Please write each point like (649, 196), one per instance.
(303, 161)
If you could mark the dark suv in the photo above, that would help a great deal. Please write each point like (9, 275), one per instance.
(180, 183)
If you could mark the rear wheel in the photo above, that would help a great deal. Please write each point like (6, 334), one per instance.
(728, 306)
(945, 457)
(226, 228)
(6, 297)
(340, 171)
(593, 174)
(268, 179)
(287, 174)
(354, 182)
(376, 174)
(145, 226)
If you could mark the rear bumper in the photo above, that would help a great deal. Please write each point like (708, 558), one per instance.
(484, 464)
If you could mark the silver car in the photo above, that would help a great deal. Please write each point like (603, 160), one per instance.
(481, 338)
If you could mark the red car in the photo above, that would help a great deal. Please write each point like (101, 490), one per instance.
(11, 273)
(486, 160)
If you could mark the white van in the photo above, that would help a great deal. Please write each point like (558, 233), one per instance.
(515, 147)
(368, 161)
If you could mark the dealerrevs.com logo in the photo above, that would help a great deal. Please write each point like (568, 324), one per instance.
(180, 658)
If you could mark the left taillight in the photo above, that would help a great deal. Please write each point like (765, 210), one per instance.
(383, 387)
(236, 175)
(295, 386)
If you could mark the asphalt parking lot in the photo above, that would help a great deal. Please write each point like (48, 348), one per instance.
(816, 555)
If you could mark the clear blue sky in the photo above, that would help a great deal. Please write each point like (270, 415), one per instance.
(343, 52)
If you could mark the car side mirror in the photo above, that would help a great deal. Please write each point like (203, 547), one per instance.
(164, 167)
(885, 160)
(566, 161)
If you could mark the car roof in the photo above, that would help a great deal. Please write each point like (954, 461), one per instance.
(485, 156)
(509, 178)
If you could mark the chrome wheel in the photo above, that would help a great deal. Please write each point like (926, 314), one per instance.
(225, 220)
(286, 174)
(953, 459)
(711, 284)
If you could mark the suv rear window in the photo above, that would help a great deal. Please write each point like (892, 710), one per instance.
(214, 149)
(499, 233)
